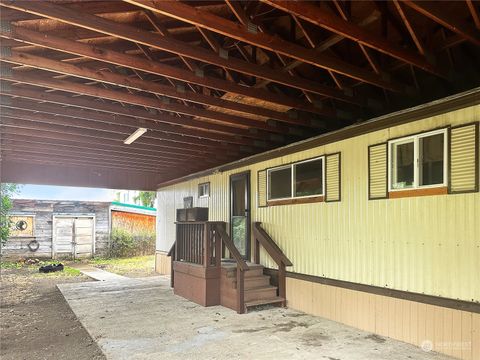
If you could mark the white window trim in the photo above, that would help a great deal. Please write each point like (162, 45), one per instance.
(416, 159)
(292, 173)
(204, 196)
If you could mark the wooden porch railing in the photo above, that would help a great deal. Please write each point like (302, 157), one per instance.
(241, 267)
(200, 243)
(262, 238)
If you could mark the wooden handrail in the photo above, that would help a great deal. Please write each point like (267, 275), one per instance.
(232, 248)
(270, 246)
(261, 237)
(171, 253)
(172, 250)
(241, 266)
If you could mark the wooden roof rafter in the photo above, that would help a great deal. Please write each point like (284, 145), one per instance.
(228, 28)
(212, 131)
(140, 36)
(113, 57)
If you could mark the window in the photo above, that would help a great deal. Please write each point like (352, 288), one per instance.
(418, 161)
(308, 178)
(299, 180)
(204, 190)
(280, 183)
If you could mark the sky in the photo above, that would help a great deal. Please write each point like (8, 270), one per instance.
(47, 192)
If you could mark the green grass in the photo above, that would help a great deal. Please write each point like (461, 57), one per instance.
(137, 264)
(33, 268)
(10, 265)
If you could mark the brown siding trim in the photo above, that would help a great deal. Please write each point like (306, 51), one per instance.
(295, 201)
(386, 172)
(477, 157)
(398, 294)
(418, 192)
(437, 107)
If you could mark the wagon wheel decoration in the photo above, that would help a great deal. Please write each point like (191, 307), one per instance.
(21, 225)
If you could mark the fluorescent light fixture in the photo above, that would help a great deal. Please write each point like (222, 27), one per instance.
(135, 135)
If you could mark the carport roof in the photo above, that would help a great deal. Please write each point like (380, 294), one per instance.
(211, 81)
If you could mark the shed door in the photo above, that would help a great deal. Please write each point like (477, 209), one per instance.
(74, 236)
(83, 240)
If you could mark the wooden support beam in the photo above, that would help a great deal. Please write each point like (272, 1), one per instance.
(45, 135)
(82, 153)
(154, 67)
(20, 127)
(123, 97)
(148, 86)
(154, 137)
(231, 29)
(476, 18)
(218, 132)
(326, 44)
(136, 35)
(415, 37)
(46, 151)
(17, 137)
(436, 14)
(50, 124)
(54, 157)
(166, 132)
(32, 172)
(320, 17)
(182, 157)
(95, 92)
(191, 65)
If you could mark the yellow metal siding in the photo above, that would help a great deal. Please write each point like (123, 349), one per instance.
(427, 244)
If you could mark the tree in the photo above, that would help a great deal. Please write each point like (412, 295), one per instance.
(6, 192)
(147, 198)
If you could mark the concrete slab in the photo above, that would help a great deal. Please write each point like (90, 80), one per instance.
(97, 274)
(143, 319)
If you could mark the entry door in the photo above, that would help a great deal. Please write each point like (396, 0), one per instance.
(73, 236)
(240, 212)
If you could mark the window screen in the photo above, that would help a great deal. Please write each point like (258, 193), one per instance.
(431, 159)
(309, 178)
(280, 183)
(402, 165)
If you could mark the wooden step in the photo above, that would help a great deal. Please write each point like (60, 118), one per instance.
(277, 300)
(254, 282)
(254, 271)
(260, 293)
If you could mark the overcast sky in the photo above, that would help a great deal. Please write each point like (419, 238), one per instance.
(47, 192)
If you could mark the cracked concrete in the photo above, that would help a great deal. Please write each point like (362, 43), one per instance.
(143, 319)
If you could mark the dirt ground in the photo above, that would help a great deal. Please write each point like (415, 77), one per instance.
(36, 322)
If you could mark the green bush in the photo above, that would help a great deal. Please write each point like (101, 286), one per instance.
(124, 244)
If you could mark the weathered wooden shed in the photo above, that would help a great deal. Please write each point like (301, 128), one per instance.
(74, 229)
(54, 229)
